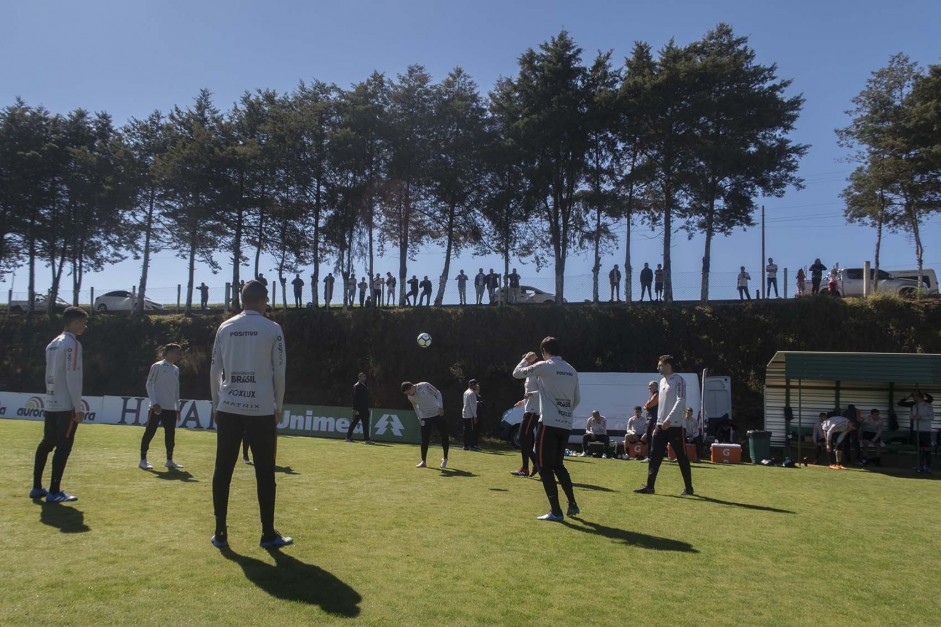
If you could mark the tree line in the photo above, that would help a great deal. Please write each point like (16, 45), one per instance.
(547, 163)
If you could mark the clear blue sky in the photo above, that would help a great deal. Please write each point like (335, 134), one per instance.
(131, 57)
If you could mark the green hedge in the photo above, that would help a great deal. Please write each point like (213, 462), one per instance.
(327, 349)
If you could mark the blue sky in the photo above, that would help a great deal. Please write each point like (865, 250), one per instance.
(131, 57)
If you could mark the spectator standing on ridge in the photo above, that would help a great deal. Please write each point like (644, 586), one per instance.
(363, 288)
(670, 426)
(429, 407)
(163, 392)
(801, 278)
(390, 290)
(816, 275)
(328, 282)
(261, 279)
(247, 383)
(411, 298)
(298, 284)
(557, 382)
(377, 284)
(614, 278)
(658, 281)
(514, 286)
(492, 285)
(743, 278)
(360, 409)
(351, 289)
(771, 271)
(480, 282)
(646, 279)
(425, 291)
(461, 279)
(63, 408)
(203, 296)
(922, 415)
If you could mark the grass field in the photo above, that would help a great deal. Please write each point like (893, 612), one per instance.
(381, 542)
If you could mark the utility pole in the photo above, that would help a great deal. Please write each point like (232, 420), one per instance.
(764, 284)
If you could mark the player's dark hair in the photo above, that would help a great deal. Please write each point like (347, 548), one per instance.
(71, 314)
(172, 347)
(254, 292)
(637, 408)
(551, 345)
(667, 359)
(406, 386)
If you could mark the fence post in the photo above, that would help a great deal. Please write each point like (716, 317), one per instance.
(133, 299)
(91, 292)
(225, 303)
(274, 294)
(179, 290)
(785, 283)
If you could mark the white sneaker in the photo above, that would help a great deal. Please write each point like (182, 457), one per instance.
(172, 465)
(420, 464)
(444, 462)
(247, 461)
(145, 465)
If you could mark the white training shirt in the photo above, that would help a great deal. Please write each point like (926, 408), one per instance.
(772, 270)
(531, 396)
(672, 401)
(836, 424)
(427, 400)
(163, 385)
(470, 404)
(557, 382)
(64, 374)
(597, 427)
(248, 364)
(922, 415)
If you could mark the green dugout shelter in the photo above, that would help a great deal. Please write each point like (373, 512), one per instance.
(814, 382)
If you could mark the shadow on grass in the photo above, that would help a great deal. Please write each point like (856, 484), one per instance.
(454, 472)
(632, 538)
(498, 489)
(708, 499)
(65, 518)
(595, 488)
(901, 473)
(286, 470)
(176, 475)
(290, 579)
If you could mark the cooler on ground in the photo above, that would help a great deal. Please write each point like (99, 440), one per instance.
(725, 453)
(690, 452)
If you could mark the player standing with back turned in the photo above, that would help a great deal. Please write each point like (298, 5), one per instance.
(247, 382)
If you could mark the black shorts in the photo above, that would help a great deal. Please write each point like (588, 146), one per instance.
(870, 436)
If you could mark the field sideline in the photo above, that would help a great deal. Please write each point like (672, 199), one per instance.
(382, 542)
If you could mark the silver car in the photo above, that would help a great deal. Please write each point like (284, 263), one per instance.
(122, 300)
(39, 301)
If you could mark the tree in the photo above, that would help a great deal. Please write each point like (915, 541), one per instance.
(553, 95)
(455, 168)
(147, 142)
(741, 149)
(191, 169)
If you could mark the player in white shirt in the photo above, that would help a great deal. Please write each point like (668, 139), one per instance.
(163, 390)
(872, 427)
(832, 426)
(671, 422)
(527, 429)
(922, 416)
(63, 406)
(469, 415)
(557, 383)
(771, 272)
(429, 407)
(247, 383)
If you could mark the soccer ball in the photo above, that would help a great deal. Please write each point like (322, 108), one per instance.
(424, 340)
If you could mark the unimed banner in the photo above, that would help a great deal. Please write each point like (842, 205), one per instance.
(386, 425)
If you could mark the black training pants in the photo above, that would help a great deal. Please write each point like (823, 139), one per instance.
(470, 432)
(437, 423)
(528, 438)
(361, 416)
(674, 437)
(550, 454)
(260, 433)
(59, 434)
(168, 420)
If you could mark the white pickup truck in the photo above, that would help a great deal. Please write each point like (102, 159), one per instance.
(850, 282)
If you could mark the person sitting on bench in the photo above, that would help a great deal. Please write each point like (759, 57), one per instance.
(636, 428)
(872, 427)
(596, 430)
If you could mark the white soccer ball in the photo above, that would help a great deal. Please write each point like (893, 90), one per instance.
(424, 340)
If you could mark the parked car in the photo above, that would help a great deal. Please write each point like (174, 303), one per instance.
(40, 304)
(850, 282)
(530, 295)
(122, 300)
(929, 279)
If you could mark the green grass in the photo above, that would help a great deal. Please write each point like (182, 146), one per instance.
(382, 542)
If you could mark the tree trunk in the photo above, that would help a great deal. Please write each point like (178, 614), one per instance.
(315, 247)
(596, 268)
(667, 236)
(403, 242)
(31, 289)
(445, 273)
(191, 271)
(145, 264)
(707, 251)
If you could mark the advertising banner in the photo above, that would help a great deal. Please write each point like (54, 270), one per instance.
(386, 425)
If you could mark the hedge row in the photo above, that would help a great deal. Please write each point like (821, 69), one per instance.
(327, 349)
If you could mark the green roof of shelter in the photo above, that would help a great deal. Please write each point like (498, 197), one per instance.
(877, 367)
